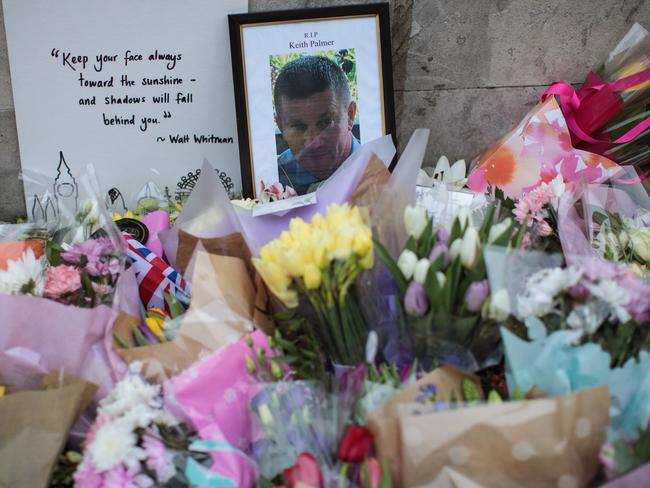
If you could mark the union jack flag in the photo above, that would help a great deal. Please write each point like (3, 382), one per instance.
(155, 277)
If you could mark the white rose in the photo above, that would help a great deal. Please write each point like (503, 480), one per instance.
(406, 263)
(415, 220)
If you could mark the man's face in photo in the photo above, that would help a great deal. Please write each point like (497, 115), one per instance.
(318, 130)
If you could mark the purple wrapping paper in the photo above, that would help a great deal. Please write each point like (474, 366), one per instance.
(208, 212)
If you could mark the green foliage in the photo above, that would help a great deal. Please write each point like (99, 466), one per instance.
(471, 393)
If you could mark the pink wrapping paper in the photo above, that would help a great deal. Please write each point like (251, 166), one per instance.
(39, 335)
(213, 397)
(535, 151)
(213, 394)
(156, 222)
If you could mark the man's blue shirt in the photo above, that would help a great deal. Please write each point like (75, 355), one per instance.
(294, 175)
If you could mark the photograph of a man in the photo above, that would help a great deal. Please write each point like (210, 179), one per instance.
(315, 114)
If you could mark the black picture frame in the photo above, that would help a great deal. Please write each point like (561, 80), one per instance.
(237, 22)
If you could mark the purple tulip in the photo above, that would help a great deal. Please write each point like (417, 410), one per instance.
(437, 251)
(416, 301)
(476, 295)
(443, 235)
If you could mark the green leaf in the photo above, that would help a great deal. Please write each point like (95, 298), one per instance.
(140, 339)
(391, 265)
(504, 239)
(518, 394)
(471, 391)
(386, 481)
(494, 397)
(425, 242)
(599, 217)
(455, 231)
(487, 222)
(519, 237)
(176, 309)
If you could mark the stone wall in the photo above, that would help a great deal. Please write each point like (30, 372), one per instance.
(466, 69)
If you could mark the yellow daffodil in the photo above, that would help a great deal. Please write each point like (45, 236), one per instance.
(2, 390)
(156, 325)
(312, 276)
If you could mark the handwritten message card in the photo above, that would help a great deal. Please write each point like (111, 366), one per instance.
(140, 89)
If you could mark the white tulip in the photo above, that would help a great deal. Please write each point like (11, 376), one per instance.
(442, 279)
(406, 263)
(499, 305)
(415, 220)
(454, 249)
(421, 270)
(497, 230)
(470, 247)
(462, 214)
(623, 238)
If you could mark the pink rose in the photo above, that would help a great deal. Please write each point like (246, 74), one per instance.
(60, 280)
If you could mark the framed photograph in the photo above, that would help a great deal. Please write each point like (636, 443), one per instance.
(311, 86)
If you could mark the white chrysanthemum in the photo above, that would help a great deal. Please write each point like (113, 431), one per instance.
(588, 317)
(614, 296)
(113, 444)
(25, 276)
(128, 394)
(542, 287)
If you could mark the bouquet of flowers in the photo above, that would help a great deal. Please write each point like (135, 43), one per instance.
(444, 304)
(318, 262)
(135, 442)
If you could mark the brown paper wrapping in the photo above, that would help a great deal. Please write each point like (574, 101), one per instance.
(384, 422)
(547, 442)
(372, 182)
(223, 309)
(34, 426)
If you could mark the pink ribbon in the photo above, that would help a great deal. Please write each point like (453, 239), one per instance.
(572, 102)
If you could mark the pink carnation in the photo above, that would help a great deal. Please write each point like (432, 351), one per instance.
(157, 460)
(60, 280)
(87, 476)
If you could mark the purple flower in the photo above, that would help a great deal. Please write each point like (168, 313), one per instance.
(157, 459)
(427, 393)
(443, 235)
(95, 256)
(440, 249)
(416, 301)
(476, 295)
(639, 303)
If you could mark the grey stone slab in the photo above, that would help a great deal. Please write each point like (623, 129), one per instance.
(463, 122)
(474, 43)
(6, 96)
(12, 204)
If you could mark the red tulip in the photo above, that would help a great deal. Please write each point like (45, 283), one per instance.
(356, 444)
(306, 472)
(373, 472)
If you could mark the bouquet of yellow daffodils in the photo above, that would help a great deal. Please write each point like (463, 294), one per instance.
(317, 263)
